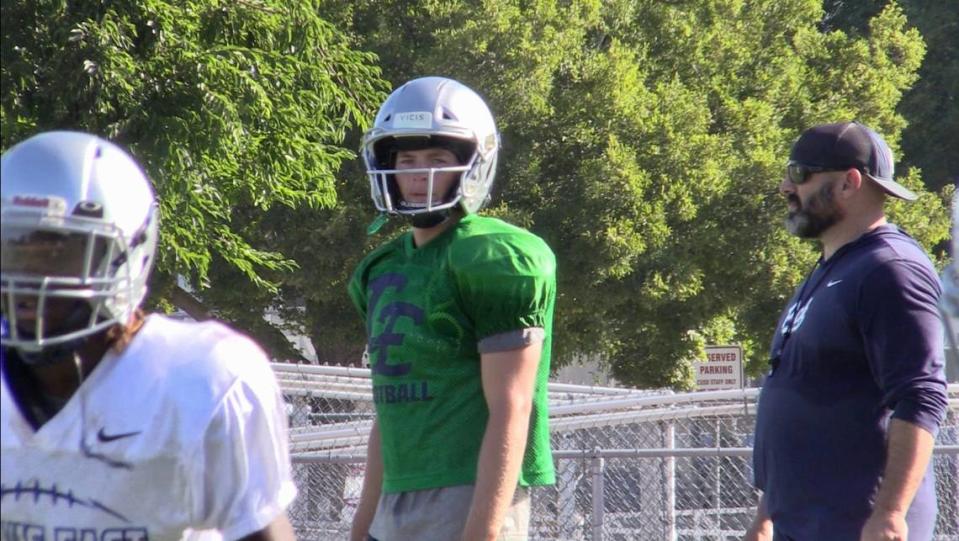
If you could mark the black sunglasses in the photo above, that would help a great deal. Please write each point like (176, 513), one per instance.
(798, 173)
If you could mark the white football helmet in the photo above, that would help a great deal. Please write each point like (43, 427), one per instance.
(433, 112)
(950, 290)
(79, 235)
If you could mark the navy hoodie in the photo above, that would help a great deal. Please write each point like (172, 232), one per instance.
(859, 342)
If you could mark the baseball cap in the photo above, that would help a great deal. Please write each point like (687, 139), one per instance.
(850, 144)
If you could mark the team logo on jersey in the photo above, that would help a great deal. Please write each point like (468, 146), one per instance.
(37, 493)
(379, 344)
(795, 317)
(25, 531)
(389, 315)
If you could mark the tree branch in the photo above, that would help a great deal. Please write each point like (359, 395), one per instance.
(183, 300)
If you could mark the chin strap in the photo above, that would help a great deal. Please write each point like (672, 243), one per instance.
(420, 221)
(429, 219)
(377, 223)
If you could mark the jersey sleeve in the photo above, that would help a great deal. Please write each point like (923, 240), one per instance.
(247, 479)
(903, 334)
(357, 292)
(507, 282)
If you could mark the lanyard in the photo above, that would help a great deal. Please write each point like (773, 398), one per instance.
(800, 299)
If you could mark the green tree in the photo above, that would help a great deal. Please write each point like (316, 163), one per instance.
(236, 109)
(931, 140)
(931, 108)
(645, 142)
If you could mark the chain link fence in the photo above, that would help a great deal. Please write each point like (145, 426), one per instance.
(630, 464)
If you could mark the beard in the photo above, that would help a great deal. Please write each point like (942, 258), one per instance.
(814, 216)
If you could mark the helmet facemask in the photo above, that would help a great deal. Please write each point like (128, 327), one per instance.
(437, 206)
(66, 278)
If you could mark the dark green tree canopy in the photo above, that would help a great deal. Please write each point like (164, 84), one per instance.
(644, 140)
(930, 141)
(234, 108)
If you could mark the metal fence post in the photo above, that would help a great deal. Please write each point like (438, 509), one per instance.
(719, 473)
(598, 469)
(670, 483)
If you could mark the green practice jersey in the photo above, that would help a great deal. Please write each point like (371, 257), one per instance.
(426, 310)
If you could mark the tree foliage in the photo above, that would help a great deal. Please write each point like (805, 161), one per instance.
(645, 142)
(930, 141)
(234, 108)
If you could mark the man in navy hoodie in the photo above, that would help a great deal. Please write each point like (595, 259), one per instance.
(856, 392)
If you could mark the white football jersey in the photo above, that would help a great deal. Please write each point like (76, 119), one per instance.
(184, 430)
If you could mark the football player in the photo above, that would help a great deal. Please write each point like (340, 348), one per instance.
(116, 424)
(458, 313)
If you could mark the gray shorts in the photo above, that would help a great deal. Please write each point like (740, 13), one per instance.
(440, 514)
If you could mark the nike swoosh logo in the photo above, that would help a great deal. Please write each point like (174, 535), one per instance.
(104, 437)
(833, 282)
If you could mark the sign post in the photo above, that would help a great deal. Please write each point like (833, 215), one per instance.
(722, 369)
